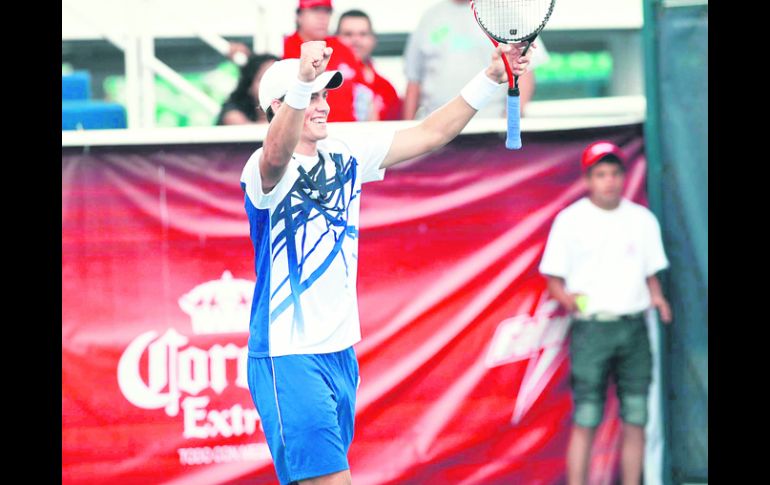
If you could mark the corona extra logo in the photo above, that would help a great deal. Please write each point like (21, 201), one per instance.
(178, 374)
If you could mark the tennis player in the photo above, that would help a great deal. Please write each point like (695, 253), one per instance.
(302, 196)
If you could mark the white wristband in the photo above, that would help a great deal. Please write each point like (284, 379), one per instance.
(298, 95)
(479, 90)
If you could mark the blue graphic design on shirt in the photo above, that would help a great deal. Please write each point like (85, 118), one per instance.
(313, 196)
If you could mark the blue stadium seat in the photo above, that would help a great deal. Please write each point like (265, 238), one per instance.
(92, 115)
(76, 86)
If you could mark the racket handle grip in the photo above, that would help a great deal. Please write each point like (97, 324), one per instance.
(513, 138)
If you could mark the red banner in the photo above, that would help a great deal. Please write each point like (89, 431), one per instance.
(465, 376)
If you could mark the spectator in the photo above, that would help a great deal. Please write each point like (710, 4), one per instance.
(242, 107)
(446, 45)
(355, 30)
(312, 21)
(601, 260)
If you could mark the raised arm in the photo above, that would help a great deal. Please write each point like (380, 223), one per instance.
(441, 126)
(284, 131)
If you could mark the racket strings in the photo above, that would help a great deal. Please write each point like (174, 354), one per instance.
(512, 20)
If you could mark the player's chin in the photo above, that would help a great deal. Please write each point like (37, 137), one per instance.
(316, 130)
(320, 131)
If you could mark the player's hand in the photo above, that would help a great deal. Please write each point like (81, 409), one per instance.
(570, 304)
(519, 64)
(313, 58)
(665, 311)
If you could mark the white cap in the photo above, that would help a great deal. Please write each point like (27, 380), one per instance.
(281, 74)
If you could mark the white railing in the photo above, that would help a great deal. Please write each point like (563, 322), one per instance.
(541, 116)
(136, 39)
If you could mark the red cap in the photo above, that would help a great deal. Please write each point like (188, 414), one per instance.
(315, 3)
(598, 150)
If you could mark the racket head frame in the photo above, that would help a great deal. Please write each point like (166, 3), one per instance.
(526, 38)
(496, 40)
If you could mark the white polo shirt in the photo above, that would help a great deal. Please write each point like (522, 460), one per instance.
(606, 255)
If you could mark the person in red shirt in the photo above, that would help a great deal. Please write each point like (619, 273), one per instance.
(355, 30)
(313, 18)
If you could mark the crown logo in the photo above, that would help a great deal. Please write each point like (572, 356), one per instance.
(219, 306)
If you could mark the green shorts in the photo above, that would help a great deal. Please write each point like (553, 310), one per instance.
(600, 349)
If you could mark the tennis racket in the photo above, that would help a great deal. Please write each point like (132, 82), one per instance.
(508, 22)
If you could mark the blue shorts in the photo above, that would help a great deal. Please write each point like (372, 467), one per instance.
(307, 406)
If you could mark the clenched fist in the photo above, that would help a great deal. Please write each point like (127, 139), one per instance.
(313, 58)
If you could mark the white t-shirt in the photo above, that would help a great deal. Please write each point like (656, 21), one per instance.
(606, 255)
(305, 237)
